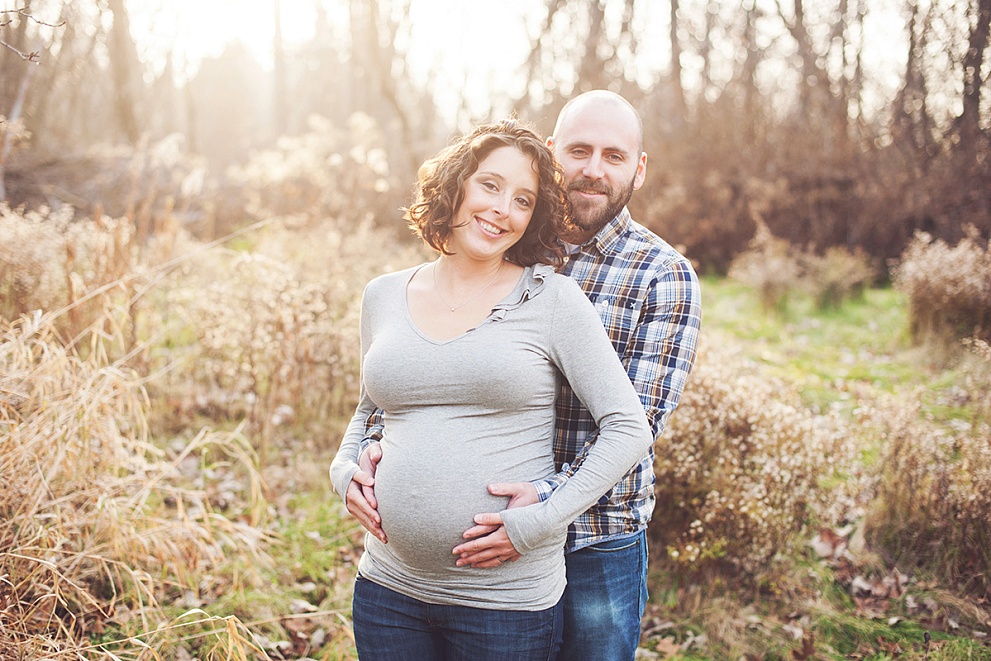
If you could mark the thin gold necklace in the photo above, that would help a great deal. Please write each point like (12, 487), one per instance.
(452, 308)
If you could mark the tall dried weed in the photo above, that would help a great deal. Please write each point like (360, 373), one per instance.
(51, 261)
(835, 276)
(949, 288)
(775, 270)
(933, 496)
(742, 469)
(267, 333)
(96, 522)
(327, 171)
(769, 266)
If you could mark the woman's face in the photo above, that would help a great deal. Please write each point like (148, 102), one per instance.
(498, 202)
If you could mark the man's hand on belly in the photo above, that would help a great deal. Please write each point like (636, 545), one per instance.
(490, 545)
(491, 549)
(360, 499)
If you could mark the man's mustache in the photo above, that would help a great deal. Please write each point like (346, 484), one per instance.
(589, 186)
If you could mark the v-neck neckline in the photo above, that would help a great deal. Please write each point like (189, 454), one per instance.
(483, 322)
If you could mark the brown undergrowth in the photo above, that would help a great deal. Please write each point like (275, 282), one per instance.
(98, 526)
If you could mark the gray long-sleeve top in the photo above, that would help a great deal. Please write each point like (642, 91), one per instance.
(476, 409)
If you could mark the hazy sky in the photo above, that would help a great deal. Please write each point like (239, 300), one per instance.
(476, 47)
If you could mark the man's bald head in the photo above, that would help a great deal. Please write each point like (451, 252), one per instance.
(599, 99)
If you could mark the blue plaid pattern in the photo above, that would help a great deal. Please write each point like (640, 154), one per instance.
(649, 300)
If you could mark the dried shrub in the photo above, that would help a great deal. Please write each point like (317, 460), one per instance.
(770, 266)
(741, 469)
(49, 261)
(949, 288)
(775, 269)
(836, 276)
(340, 172)
(267, 333)
(97, 523)
(933, 503)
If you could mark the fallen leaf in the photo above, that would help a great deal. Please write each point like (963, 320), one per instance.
(808, 648)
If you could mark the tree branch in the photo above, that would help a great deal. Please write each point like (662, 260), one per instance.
(24, 12)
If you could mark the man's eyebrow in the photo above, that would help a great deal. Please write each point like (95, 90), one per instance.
(586, 145)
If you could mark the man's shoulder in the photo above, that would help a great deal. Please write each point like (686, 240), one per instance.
(647, 249)
(561, 285)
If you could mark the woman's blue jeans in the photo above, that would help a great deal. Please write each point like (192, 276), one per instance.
(389, 626)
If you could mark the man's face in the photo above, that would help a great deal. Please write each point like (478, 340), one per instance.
(598, 145)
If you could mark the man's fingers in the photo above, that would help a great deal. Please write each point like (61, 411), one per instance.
(369, 494)
(360, 508)
(478, 531)
(489, 564)
(488, 551)
(364, 478)
(369, 458)
(489, 519)
(519, 493)
(507, 488)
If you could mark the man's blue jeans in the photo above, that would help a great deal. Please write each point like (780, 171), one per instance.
(389, 626)
(604, 600)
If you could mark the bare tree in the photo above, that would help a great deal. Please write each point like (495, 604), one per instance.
(913, 123)
(280, 86)
(124, 64)
(677, 84)
(968, 123)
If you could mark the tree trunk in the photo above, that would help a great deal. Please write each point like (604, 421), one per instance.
(8, 134)
(124, 62)
(591, 72)
(677, 85)
(280, 121)
(969, 120)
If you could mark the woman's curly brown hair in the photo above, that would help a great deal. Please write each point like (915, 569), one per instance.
(441, 184)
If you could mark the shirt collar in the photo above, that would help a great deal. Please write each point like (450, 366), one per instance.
(606, 238)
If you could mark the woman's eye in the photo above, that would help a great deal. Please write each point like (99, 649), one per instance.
(489, 185)
(523, 202)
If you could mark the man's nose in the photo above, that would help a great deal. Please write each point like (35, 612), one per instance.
(593, 167)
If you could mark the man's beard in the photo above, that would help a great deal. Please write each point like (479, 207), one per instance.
(590, 218)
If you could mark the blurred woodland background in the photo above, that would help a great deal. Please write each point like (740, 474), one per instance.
(847, 123)
(184, 241)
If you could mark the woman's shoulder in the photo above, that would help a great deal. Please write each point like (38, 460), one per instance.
(389, 281)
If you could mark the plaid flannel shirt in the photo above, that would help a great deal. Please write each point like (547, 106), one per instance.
(648, 298)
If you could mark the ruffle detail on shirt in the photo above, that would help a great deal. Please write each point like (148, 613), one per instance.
(531, 284)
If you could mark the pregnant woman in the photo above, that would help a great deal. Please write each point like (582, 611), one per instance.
(463, 355)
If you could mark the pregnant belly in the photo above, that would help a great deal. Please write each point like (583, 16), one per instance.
(425, 509)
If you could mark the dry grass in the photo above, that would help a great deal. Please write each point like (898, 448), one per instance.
(267, 333)
(96, 523)
(835, 276)
(932, 507)
(49, 260)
